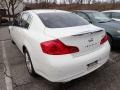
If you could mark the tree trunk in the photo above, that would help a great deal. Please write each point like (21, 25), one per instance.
(13, 11)
(9, 16)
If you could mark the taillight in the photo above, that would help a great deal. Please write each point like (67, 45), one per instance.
(56, 47)
(104, 39)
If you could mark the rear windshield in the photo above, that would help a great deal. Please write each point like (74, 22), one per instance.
(61, 20)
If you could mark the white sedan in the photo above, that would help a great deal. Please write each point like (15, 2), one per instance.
(59, 45)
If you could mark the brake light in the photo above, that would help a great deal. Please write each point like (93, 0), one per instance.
(56, 47)
(104, 39)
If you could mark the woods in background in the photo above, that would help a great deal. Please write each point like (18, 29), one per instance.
(13, 7)
(73, 1)
(73, 4)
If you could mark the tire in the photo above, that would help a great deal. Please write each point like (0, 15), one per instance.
(29, 64)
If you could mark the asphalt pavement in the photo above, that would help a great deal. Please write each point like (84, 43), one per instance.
(17, 77)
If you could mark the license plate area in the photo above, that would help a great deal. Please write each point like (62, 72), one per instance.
(92, 65)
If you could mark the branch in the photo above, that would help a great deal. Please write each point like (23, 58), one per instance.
(6, 4)
(2, 6)
(20, 1)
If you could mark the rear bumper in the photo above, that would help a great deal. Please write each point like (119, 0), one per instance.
(67, 69)
(87, 71)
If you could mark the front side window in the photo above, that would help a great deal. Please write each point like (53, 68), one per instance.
(61, 20)
(109, 14)
(99, 17)
(116, 15)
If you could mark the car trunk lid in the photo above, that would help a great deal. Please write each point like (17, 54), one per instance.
(87, 38)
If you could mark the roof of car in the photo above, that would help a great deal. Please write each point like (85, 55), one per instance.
(112, 11)
(86, 10)
(37, 11)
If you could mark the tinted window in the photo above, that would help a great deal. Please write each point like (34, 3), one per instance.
(25, 21)
(61, 20)
(99, 17)
(109, 14)
(116, 15)
(16, 21)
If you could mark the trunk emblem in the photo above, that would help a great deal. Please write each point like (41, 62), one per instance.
(91, 40)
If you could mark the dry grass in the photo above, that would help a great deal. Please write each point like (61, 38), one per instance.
(98, 7)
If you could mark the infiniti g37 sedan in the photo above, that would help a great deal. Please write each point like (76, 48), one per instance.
(59, 45)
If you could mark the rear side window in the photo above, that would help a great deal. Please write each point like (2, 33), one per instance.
(116, 15)
(109, 14)
(16, 21)
(61, 20)
(25, 20)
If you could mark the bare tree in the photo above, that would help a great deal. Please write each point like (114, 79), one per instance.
(14, 4)
(64, 1)
(77, 1)
(89, 1)
(70, 1)
(5, 5)
(10, 5)
(55, 1)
